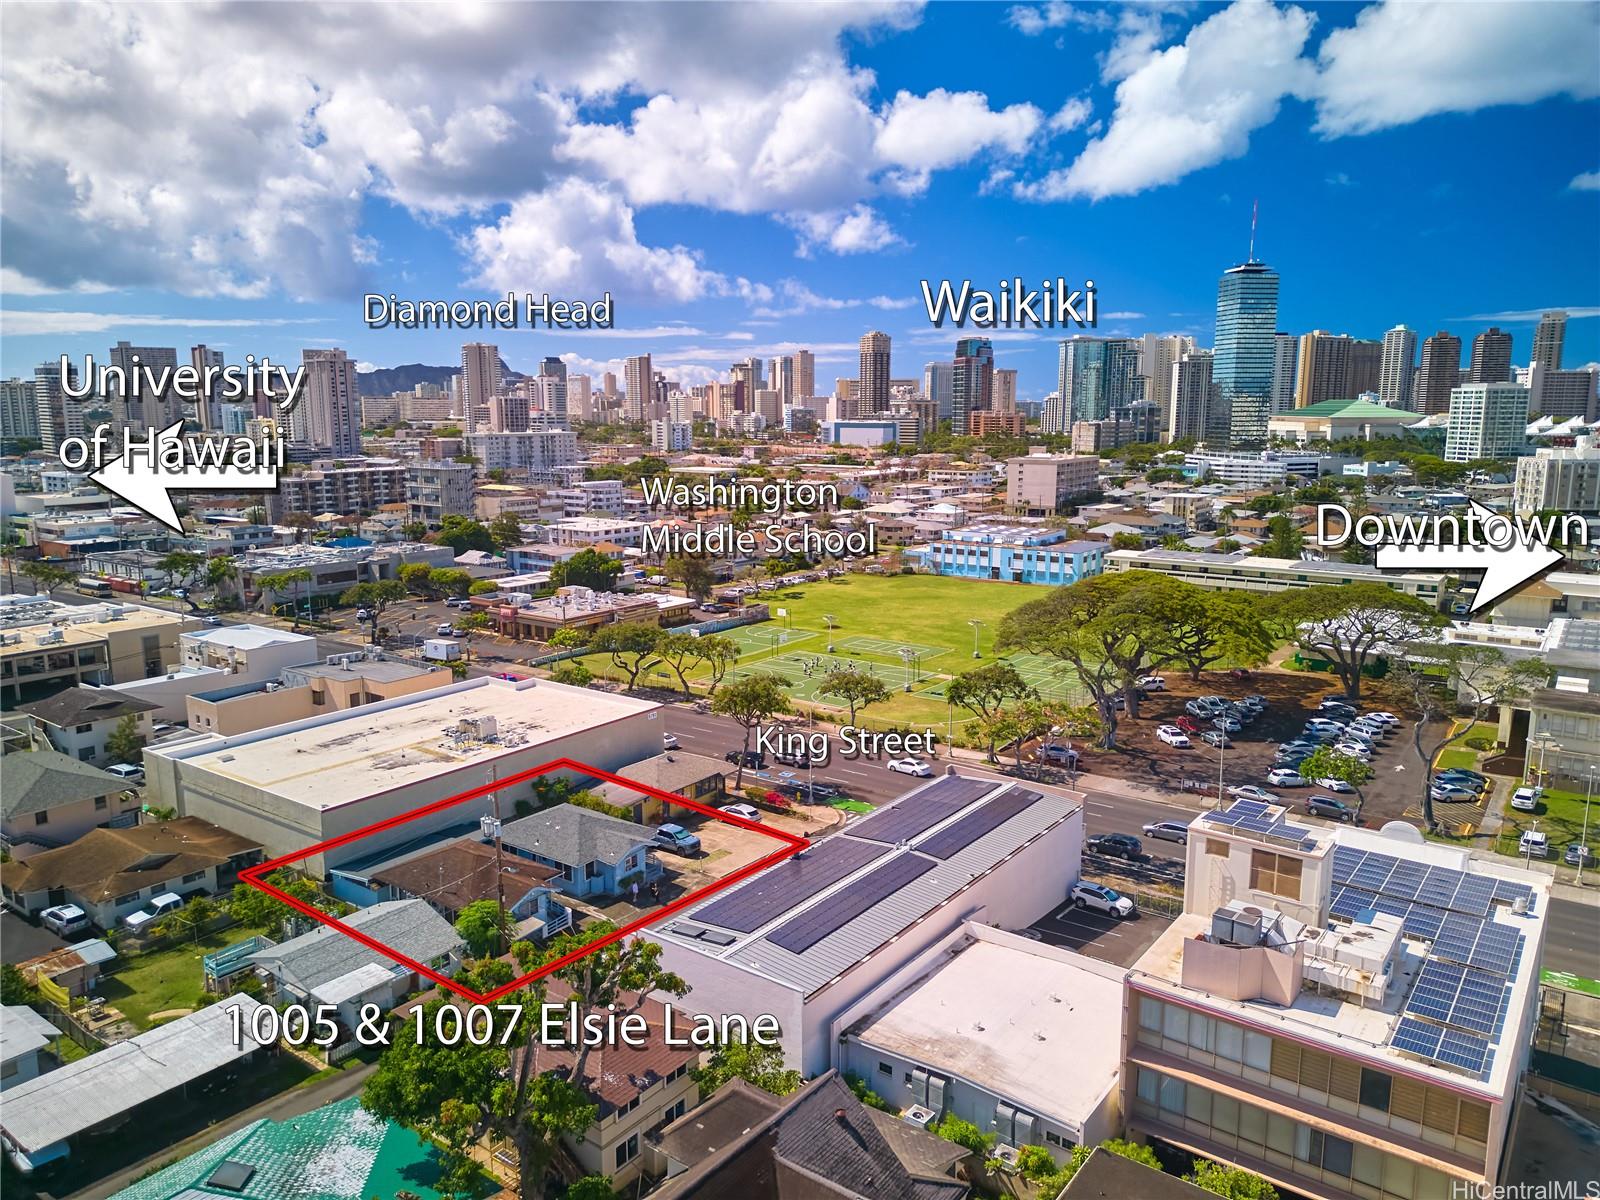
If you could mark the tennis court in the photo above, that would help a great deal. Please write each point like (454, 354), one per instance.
(888, 649)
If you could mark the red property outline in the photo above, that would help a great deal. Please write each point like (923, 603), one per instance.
(792, 846)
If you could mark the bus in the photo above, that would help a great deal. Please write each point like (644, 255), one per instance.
(88, 585)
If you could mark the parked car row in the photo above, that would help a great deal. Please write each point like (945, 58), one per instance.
(1358, 736)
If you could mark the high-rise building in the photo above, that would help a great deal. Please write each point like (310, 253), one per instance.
(1563, 478)
(1285, 369)
(805, 374)
(58, 415)
(608, 384)
(873, 393)
(1247, 320)
(746, 382)
(207, 411)
(1491, 357)
(1366, 368)
(781, 372)
(1193, 400)
(328, 416)
(936, 385)
(1324, 368)
(580, 400)
(19, 416)
(1398, 364)
(639, 378)
(971, 382)
(1096, 376)
(555, 370)
(509, 412)
(1157, 353)
(1487, 420)
(139, 408)
(1438, 375)
(1005, 390)
(480, 380)
(1554, 393)
(1548, 339)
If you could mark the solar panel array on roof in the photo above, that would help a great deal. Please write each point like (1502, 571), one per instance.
(1438, 887)
(774, 892)
(1451, 1047)
(1462, 997)
(1253, 816)
(916, 813)
(994, 813)
(1482, 944)
(810, 927)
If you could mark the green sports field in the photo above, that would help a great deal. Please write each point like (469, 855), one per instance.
(867, 621)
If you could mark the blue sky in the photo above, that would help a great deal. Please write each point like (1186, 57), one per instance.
(754, 179)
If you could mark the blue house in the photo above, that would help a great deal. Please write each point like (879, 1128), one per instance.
(1014, 553)
(595, 854)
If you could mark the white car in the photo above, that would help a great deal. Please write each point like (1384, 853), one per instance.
(1525, 799)
(1101, 899)
(1334, 785)
(910, 766)
(1327, 723)
(669, 741)
(1249, 791)
(1383, 718)
(1283, 777)
(744, 811)
(1153, 683)
(1534, 843)
(65, 919)
(1354, 750)
(1227, 724)
(1173, 736)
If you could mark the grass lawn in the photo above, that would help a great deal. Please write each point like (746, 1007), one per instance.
(873, 615)
(1462, 755)
(1559, 816)
(171, 978)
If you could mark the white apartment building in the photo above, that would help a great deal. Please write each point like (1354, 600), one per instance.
(436, 490)
(1487, 420)
(328, 415)
(345, 487)
(590, 496)
(587, 531)
(1241, 571)
(1345, 1013)
(1269, 468)
(1564, 478)
(220, 657)
(534, 452)
(670, 437)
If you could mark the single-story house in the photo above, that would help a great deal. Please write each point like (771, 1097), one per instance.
(692, 775)
(74, 970)
(25, 1039)
(596, 853)
(110, 873)
(48, 799)
(327, 967)
(456, 874)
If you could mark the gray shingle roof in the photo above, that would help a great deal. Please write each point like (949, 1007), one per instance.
(409, 927)
(81, 705)
(41, 780)
(574, 836)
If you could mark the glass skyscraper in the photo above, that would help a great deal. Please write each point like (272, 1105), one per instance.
(971, 382)
(1242, 365)
(1097, 377)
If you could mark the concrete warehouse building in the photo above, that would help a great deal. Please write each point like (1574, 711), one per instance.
(309, 780)
(823, 937)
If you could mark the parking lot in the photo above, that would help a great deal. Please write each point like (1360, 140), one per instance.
(1097, 935)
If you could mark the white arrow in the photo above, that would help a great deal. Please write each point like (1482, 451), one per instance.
(145, 475)
(1504, 567)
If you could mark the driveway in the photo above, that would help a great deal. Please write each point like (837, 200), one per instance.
(20, 941)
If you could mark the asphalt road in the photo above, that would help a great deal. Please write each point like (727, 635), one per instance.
(1572, 938)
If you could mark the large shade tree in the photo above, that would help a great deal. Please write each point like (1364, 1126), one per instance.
(1351, 625)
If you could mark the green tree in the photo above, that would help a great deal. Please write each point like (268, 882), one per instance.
(46, 576)
(755, 1063)
(289, 581)
(221, 573)
(252, 906)
(125, 743)
(1230, 1181)
(449, 581)
(462, 534)
(471, 624)
(592, 1187)
(414, 531)
(1127, 541)
(457, 1094)
(374, 597)
(986, 690)
(1284, 540)
(181, 567)
(414, 577)
(573, 674)
(964, 1133)
(1327, 763)
(683, 652)
(485, 926)
(1441, 681)
(1023, 720)
(14, 986)
(855, 688)
(1205, 627)
(1350, 624)
(631, 646)
(866, 1095)
(694, 572)
(587, 568)
(718, 654)
(750, 701)
(506, 531)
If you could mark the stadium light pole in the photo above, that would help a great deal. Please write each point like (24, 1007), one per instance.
(828, 617)
(976, 626)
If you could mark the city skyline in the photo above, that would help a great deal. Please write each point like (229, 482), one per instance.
(857, 167)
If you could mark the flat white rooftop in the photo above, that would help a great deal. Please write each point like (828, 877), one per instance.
(327, 761)
(1049, 1037)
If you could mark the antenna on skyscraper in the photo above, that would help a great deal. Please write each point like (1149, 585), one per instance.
(1255, 208)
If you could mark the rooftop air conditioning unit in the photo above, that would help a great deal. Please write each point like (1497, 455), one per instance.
(919, 1115)
(1007, 1156)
